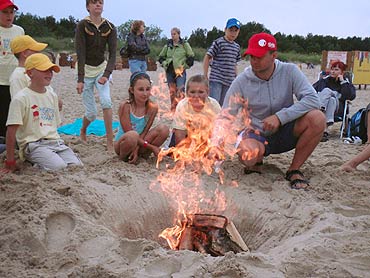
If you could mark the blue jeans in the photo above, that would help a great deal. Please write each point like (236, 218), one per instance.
(137, 65)
(179, 81)
(218, 91)
(88, 98)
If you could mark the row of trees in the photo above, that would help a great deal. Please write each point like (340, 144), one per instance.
(286, 43)
(36, 26)
(64, 28)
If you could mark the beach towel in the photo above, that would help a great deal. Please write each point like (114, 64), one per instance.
(96, 127)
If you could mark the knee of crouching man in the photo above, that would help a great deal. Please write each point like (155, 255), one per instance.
(317, 120)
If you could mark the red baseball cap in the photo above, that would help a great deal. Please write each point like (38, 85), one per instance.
(7, 3)
(259, 44)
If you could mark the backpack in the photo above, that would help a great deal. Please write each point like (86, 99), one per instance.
(124, 52)
(356, 125)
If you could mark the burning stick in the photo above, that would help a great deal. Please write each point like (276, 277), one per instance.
(210, 234)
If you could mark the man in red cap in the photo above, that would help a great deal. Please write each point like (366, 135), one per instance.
(8, 62)
(277, 123)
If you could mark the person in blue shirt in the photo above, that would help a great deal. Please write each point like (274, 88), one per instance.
(222, 57)
(136, 135)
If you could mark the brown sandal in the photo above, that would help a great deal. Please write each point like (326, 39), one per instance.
(293, 183)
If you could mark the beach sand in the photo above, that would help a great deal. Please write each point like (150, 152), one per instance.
(103, 220)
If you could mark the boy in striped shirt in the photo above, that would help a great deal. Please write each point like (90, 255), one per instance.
(223, 56)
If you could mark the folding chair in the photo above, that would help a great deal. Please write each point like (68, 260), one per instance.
(345, 117)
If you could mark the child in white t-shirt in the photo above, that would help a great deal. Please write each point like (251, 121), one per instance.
(33, 120)
(197, 111)
(22, 47)
(8, 62)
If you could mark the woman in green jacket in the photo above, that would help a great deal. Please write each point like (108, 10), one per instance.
(175, 57)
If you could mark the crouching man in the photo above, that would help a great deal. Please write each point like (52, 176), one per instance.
(277, 123)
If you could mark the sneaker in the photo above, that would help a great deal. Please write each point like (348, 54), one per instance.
(353, 140)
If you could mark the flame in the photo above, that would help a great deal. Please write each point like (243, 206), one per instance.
(179, 71)
(160, 93)
(181, 183)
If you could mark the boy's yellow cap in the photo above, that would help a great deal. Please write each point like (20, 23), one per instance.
(22, 43)
(40, 62)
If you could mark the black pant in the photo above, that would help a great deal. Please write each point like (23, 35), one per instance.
(4, 108)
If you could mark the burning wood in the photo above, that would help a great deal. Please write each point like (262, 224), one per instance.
(210, 234)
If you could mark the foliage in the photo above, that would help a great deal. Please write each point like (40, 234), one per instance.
(59, 35)
(198, 38)
(65, 44)
(199, 53)
(299, 57)
(124, 29)
(37, 26)
(152, 32)
(247, 30)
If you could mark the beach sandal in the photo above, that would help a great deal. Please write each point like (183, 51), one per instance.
(256, 169)
(293, 183)
(325, 137)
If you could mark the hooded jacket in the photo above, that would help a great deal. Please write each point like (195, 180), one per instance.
(176, 54)
(274, 96)
(91, 42)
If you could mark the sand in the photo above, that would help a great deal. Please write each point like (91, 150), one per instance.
(103, 220)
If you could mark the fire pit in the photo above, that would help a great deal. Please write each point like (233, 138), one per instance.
(210, 234)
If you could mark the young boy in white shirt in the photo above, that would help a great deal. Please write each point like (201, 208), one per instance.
(33, 120)
(22, 47)
(197, 112)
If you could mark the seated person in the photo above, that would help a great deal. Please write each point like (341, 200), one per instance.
(277, 124)
(333, 91)
(196, 111)
(136, 134)
(22, 47)
(33, 120)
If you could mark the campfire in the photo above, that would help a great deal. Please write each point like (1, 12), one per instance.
(199, 224)
(210, 234)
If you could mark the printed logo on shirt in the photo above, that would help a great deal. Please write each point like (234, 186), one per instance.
(47, 114)
(5, 46)
(35, 112)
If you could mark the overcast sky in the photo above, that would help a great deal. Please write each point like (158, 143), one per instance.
(340, 18)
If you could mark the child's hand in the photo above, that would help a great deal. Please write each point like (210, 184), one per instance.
(8, 168)
(132, 159)
(156, 150)
(80, 87)
(4, 171)
(60, 104)
(102, 80)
